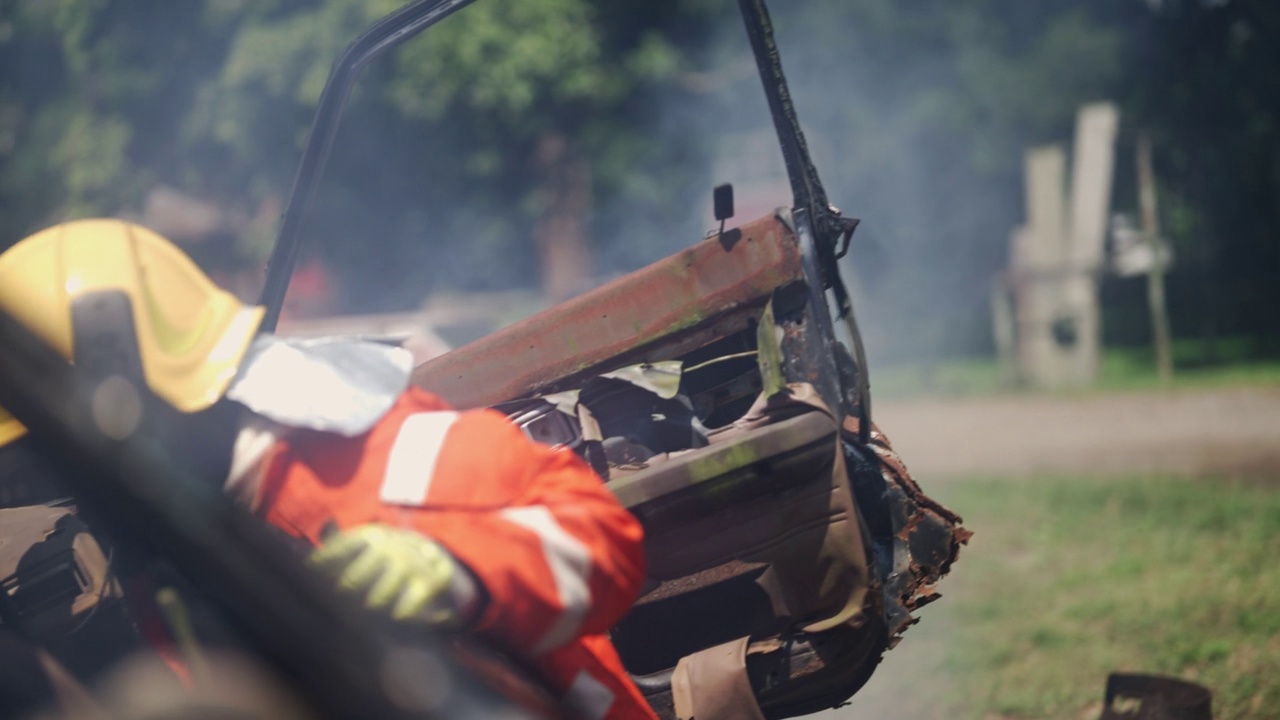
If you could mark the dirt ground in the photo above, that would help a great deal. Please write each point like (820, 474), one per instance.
(1229, 432)
(1196, 432)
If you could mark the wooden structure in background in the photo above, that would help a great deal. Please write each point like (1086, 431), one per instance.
(1093, 167)
(1048, 301)
(1160, 334)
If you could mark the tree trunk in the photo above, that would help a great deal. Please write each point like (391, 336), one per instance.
(1160, 335)
(561, 234)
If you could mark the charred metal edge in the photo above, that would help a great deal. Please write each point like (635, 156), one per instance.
(809, 346)
(826, 224)
(914, 539)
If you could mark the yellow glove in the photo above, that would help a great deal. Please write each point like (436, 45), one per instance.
(400, 572)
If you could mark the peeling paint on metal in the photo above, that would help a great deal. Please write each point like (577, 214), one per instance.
(616, 322)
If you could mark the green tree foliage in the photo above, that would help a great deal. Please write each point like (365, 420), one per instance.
(81, 80)
(216, 98)
(917, 111)
(1206, 81)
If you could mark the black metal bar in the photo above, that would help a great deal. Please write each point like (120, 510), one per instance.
(383, 35)
(334, 656)
(805, 185)
(830, 230)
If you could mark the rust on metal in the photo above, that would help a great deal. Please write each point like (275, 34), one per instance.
(833, 660)
(926, 540)
(709, 284)
(699, 580)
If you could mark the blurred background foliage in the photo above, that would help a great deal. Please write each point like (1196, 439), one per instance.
(918, 113)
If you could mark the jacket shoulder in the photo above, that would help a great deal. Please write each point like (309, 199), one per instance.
(334, 385)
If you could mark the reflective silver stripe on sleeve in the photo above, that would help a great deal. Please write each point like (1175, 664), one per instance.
(588, 697)
(570, 564)
(248, 455)
(334, 385)
(412, 461)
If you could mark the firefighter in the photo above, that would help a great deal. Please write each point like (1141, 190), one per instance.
(428, 514)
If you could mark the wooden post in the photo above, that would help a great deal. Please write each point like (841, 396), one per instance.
(1037, 253)
(1160, 334)
(1092, 169)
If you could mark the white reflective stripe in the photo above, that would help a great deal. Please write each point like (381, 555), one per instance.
(413, 457)
(588, 698)
(248, 456)
(570, 564)
(237, 335)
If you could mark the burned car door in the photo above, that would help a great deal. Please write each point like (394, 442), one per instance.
(785, 552)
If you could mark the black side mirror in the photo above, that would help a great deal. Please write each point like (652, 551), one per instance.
(722, 199)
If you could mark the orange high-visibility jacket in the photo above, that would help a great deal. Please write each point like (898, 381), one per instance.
(559, 559)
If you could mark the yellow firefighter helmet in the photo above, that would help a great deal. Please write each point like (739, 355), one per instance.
(190, 335)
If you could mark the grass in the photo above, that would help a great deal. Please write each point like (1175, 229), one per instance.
(952, 377)
(1123, 369)
(1069, 579)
